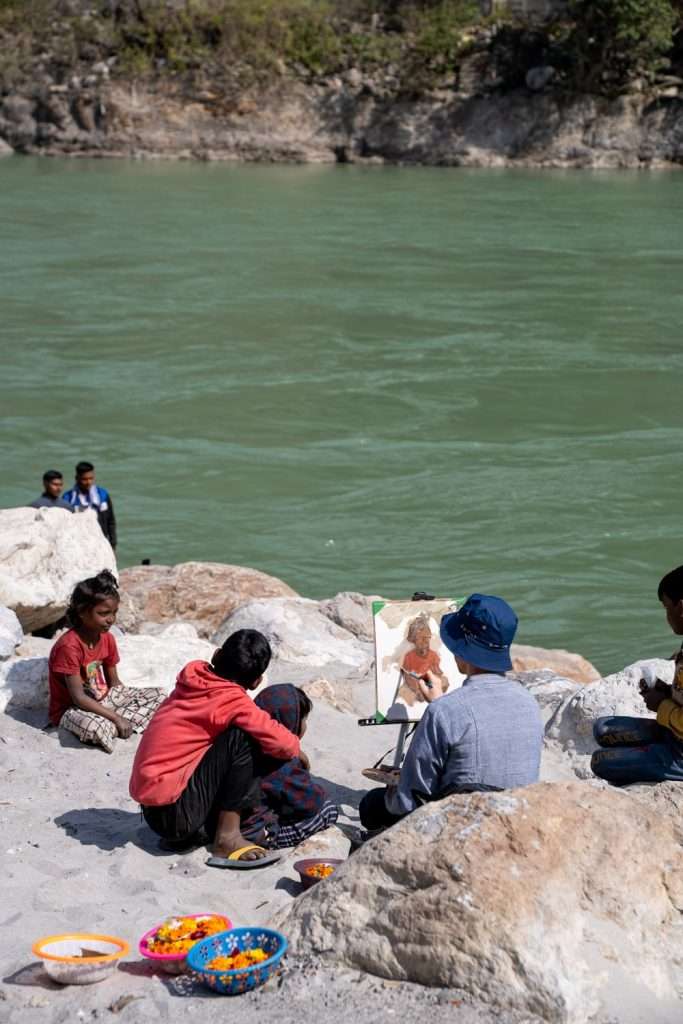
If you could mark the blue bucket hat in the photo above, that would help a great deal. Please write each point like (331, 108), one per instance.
(481, 632)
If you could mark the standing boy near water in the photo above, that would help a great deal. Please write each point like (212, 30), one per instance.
(86, 494)
(645, 749)
(53, 483)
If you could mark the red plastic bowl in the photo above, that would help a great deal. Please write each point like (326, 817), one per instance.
(302, 865)
(173, 963)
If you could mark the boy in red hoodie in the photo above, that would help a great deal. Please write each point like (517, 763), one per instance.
(194, 767)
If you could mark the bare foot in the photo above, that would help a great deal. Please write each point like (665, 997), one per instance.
(229, 838)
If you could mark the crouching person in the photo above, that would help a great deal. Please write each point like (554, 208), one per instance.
(487, 735)
(194, 771)
(292, 807)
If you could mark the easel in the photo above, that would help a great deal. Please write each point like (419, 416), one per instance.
(405, 729)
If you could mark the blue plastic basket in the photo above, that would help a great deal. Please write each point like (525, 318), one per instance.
(232, 983)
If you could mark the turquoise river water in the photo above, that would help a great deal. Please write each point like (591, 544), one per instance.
(362, 379)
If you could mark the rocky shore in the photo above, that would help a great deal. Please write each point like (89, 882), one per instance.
(562, 902)
(352, 118)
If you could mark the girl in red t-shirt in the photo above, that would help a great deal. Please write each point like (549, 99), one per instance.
(86, 694)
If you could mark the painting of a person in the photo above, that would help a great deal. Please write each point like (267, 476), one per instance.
(418, 662)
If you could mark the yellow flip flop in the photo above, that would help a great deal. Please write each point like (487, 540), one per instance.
(233, 862)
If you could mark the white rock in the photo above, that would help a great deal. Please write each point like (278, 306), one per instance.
(353, 612)
(11, 633)
(23, 683)
(157, 660)
(44, 553)
(302, 637)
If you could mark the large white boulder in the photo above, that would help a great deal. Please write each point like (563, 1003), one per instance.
(44, 553)
(11, 633)
(145, 661)
(306, 642)
(570, 729)
(559, 900)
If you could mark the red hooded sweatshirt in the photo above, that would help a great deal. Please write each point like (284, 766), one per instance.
(182, 729)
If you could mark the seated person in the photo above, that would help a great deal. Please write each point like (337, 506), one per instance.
(487, 735)
(194, 767)
(648, 749)
(86, 695)
(292, 806)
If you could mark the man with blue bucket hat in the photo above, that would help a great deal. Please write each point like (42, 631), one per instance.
(487, 735)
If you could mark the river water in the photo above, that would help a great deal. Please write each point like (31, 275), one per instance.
(374, 379)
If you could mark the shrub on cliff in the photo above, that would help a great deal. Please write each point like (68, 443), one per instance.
(613, 41)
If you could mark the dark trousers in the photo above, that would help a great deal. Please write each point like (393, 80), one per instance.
(222, 781)
(636, 750)
(373, 808)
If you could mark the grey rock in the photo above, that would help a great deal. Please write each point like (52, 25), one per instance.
(543, 900)
(538, 78)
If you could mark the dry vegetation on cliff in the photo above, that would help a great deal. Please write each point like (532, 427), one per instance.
(594, 46)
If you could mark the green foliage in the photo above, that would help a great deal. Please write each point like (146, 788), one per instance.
(612, 41)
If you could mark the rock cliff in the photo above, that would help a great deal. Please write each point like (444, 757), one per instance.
(349, 118)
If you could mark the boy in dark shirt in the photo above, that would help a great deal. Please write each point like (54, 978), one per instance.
(53, 484)
(647, 749)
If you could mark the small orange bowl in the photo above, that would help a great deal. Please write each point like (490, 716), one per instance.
(307, 868)
(80, 958)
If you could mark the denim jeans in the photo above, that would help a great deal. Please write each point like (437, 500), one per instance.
(636, 750)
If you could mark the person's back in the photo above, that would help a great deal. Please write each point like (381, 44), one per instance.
(493, 731)
(486, 735)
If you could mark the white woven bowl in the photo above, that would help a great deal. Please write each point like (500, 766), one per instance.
(65, 957)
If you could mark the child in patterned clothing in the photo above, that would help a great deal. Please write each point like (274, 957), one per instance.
(292, 806)
(645, 749)
(86, 694)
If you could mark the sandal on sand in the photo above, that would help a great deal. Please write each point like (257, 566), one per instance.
(234, 862)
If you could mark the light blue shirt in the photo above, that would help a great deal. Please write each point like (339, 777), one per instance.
(487, 733)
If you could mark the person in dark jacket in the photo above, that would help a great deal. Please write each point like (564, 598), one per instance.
(87, 494)
(53, 484)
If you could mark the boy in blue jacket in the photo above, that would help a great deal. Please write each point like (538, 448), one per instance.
(87, 494)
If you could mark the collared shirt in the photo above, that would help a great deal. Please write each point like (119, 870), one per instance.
(47, 501)
(487, 733)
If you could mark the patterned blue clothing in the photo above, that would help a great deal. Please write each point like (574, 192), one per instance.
(488, 733)
(292, 806)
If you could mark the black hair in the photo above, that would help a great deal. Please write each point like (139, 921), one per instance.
(51, 474)
(305, 704)
(244, 657)
(84, 467)
(671, 585)
(90, 592)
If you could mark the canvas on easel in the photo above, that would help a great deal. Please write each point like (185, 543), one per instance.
(407, 646)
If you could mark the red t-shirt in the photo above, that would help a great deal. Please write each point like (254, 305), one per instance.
(70, 656)
(413, 662)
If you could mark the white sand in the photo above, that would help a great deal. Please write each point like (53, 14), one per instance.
(76, 856)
